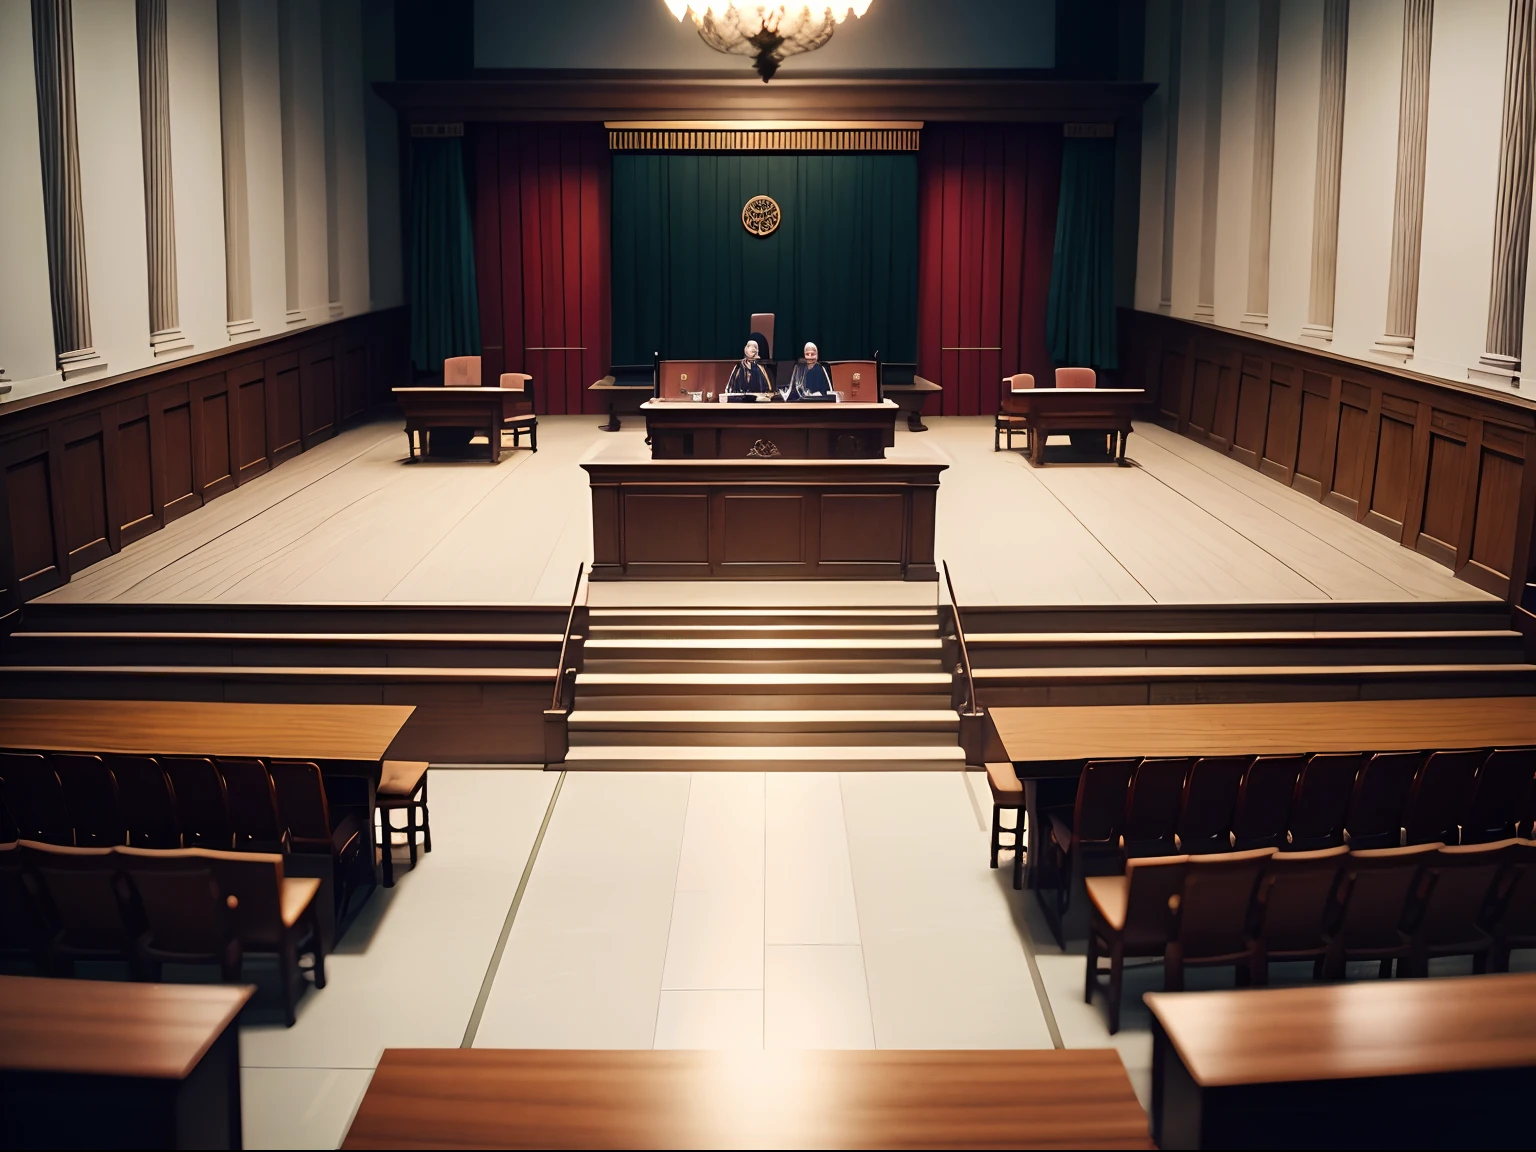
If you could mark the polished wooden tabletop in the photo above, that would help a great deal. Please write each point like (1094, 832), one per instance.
(107, 1028)
(360, 732)
(1349, 1031)
(495, 1098)
(1066, 733)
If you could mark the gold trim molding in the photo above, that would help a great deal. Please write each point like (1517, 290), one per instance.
(766, 136)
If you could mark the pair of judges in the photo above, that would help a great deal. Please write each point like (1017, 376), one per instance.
(809, 380)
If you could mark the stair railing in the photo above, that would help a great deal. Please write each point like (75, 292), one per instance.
(971, 708)
(562, 673)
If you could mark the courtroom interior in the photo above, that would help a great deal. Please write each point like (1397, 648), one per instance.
(708, 573)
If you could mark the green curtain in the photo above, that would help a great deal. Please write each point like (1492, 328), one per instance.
(840, 270)
(1080, 316)
(445, 307)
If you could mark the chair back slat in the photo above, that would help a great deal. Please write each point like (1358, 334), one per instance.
(1264, 802)
(1208, 803)
(91, 794)
(1152, 807)
(1322, 800)
(1375, 817)
(1437, 802)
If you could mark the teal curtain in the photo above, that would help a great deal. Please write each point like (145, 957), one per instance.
(840, 270)
(1080, 315)
(445, 307)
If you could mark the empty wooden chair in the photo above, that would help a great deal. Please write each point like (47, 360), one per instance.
(91, 795)
(1212, 921)
(1458, 905)
(1010, 419)
(1208, 803)
(1374, 906)
(1291, 904)
(1375, 817)
(202, 803)
(403, 788)
(1264, 802)
(1090, 842)
(520, 420)
(1007, 796)
(86, 903)
(1515, 917)
(35, 799)
(1132, 915)
(1499, 795)
(149, 804)
(187, 920)
(253, 811)
(306, 812)
(1322, 800)
(1152, 808)
(1437, 802)
(1076, 378)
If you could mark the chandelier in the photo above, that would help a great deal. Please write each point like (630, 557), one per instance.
(769, 33)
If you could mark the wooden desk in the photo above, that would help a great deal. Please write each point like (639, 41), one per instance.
(488, 1098)
(621, 399)
(1048, 410)
(1048, 746)
(1447, 1063)
(93, 1063)
(910, 398)
(685, 430)
(461, 410)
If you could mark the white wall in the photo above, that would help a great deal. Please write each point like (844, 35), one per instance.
(112, 182)
(1466, 83)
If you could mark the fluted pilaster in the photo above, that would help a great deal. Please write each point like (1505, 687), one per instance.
(1408, 199)
(288, 120)
(1266, 72)
(1512, 210)
(237, 219)
(1171, 145)
(1210, 159)
(1330, 158)
(53, 52)
(332, 162)
(165, 335)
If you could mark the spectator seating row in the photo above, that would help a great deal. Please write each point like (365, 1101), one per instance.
(1406, 904)
(1130, 809)
(60, 904)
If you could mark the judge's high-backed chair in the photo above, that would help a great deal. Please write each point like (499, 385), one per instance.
(1133, 915)
(1264, 802)
(1010, 419)
(1499, 795)
(1090, 843)
(461, 372)
(91, 794)
(1291, 904)
(521, 418)
(1322, 800)
(1375, 817)
(1076, 378)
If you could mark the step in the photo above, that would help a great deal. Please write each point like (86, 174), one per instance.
(758, 758)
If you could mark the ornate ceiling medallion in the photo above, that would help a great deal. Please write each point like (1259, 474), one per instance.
(769, 33)
(760, 215)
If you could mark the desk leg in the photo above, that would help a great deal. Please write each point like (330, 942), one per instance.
(614, 423)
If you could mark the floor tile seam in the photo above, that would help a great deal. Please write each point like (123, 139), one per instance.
(489, 980)
(869, 1000)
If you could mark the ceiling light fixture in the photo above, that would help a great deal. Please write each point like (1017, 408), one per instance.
(769, 33)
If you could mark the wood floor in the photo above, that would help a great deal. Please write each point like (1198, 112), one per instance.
(351, 521)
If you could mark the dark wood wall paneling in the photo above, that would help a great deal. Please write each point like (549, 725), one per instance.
(92, 469)
(1447, 471)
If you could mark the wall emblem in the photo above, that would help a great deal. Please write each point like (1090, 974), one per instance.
(760, 215)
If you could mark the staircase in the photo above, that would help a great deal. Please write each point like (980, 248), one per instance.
(764, 689)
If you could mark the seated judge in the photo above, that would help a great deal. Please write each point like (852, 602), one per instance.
(810, 380)
(748, 377)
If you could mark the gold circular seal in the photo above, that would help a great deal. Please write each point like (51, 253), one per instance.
(760, 215)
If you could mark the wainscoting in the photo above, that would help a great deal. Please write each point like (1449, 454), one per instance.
(92, 468)
(1448, 471)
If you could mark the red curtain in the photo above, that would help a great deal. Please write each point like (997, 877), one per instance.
(541, 257)
(987, 225)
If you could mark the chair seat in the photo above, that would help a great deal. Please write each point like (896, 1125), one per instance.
(298, 892)
(1108, 894)
(1004, 782)
(401, 777)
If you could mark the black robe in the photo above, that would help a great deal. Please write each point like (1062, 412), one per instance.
(748, 377)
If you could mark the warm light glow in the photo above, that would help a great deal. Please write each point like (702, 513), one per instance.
(769, 33)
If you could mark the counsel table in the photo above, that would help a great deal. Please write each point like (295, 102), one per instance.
(1445, 1063)
(1053, 743)
(684, 430)
(89, 1063)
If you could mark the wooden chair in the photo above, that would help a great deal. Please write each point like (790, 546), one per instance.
(1322, 800)
(1499, 795)
(403, 787)
(86, 904)
(1437, 802)
(1291, 904)
(1152, 808)
(187, 919)
(1007, 796)
(1090, 843)
(253, 814)
(1374, 906)
(1264, 802)
(1132, 915)
(521, 419)
(1212, 916)
(35, 799)
(149, 804)
(1375, 817)
(90, 793)
(1009, 418)
(1515, 923)
(1208, 804)
(202, 802)
(1076, 378)
(1457, 914)
(306, 812)
(461, 372)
